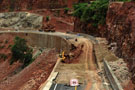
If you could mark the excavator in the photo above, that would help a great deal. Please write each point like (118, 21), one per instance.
(62, 56)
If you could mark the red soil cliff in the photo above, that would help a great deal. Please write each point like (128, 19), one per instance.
(17, 5)
(120, 28)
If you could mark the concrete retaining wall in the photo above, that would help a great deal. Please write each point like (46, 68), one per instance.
(44, 40)
(111, 77)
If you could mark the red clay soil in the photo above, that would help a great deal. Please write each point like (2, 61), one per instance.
(58, 18)
(130, 86)
(31, 77)
(17, 5)
(77, 53)
(5, 68)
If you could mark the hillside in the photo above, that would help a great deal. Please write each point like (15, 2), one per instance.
(17, 5)
(14, 77)
(119, 31)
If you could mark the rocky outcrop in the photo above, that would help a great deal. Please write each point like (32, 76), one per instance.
(20, 20)
(121, 29)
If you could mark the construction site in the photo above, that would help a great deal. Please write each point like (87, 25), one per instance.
(66, 53)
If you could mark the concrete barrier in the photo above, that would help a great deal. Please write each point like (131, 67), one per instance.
(111, 77)
(44, 40)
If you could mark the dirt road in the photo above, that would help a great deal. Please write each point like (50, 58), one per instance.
(93, 80)
(85, 71)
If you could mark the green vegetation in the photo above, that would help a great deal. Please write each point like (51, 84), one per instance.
(9, 46)
(29, 8)
(47, 18)
(6, 41)
(21, 52)
(3, 56)
(66, 10)
(12, 5)
(94, 12)
(125, 0)
(1, 47)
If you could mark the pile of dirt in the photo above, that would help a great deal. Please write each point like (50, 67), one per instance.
(48, 27)
(74, 55)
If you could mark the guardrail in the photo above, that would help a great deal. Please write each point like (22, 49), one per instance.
(111, 77)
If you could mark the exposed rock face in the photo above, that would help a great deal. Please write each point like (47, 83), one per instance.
(121, 29)
(20, 20)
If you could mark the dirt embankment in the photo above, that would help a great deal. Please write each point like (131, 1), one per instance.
(120, 29)
(58, 19)
(88, 28)
(17, 5)
(12, 77)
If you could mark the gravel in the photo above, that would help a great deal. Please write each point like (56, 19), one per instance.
(120, 70)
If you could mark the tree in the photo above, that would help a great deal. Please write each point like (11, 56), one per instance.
(94, 12)
(47, 18)
(21, 52)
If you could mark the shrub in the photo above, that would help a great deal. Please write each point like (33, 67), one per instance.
(9, 46)
(3, 56)
(12, 5)
(125, 0)
(6, 41)
(94, 12)
(20, 51)
(66, 10)
(47, 18)
(1, 47)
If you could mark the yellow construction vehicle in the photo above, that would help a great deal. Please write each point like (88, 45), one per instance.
(62, 56)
